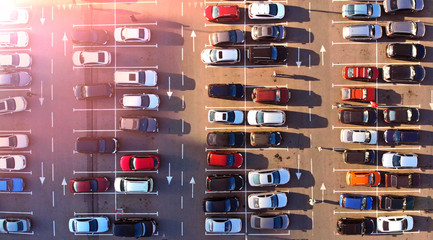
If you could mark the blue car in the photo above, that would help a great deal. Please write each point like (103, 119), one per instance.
(11, 184)
(358, 202)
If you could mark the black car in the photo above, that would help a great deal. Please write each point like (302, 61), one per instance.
(89, 36)
(134, 228)
(403, 73)
(230, 204)
(390, 202)
(96, 145)
(398, 136)
(226, 139)
(355, 226)
(265, 139)
(93, 91)
(267, 54)
(401, 115)
(406, 51)
(268, 33)
(359, 156)
(234, 182)
(365, 116)
(226, 37)
(139, 123)
(227, 91)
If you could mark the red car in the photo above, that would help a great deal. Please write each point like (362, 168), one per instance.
(367, 74)
(98, 184)
(222, 13)
(362, 94)
(271, 95)
(224, 159)
(137, 163)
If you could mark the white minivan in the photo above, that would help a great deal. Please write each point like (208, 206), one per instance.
(145, 78)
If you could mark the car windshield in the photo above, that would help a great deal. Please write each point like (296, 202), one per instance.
(93, 185)
(396, 160)
(231, 183)
(370, 9)
(371, 30)
(272, 139)
(367, 136)
(232, 90)
(274, 31)
(392, 115)
(393, 4)
(365, 116)
(397, 136)
(256, 178)
(102, 145)
(11, 104)
(349, 136)
(404, 224)
(276, 176)
(274, 52)
(364, 93)
(385, 225)
(277, 95)
(15, 59)
(227, 226)
(230, 116)
(230, 160)
(93, 225)
(232, 139)
(101, 57)
(260, 117)
(274, 201)
(409, 114)
(371, 179)
(367, 156)
(215, 11)
(363, 203)
(350, 9)
(13, 141)
(412, 72)
(273, 10)
(141, 77)
(213, 55)
(232, 36)
(278, 223)
(350, 72)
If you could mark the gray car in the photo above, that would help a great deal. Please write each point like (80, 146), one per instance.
(143, 124)
(227, 37)
(270, 221)
(15, 79)
(405, 29)
(93, 91)
(362, 32)
(393, 6)
(268, 33)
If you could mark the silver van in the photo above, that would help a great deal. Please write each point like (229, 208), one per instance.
(145, 78)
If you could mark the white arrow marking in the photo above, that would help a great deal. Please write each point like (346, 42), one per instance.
(64, 39)
(322, 50)
(169, 93)
(169, 177)
(42, 178)
(299, 58)
(42, 18)
(298, 174)
(41, 98)
(323, 188)
(192, 182)
(193, 40)
(64, 186)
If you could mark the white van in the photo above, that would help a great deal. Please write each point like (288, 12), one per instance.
(147, 78)
(133, 185)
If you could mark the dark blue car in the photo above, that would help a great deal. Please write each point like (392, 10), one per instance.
(11, 184)
(358, 202)
(398, 136)
(227, 91)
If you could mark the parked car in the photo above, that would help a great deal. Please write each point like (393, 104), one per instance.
(233, 182)
(96, 145)
(139, 123)
(15, 79)
(271, 95)
(405, 180)
(265, 139)
(89, 36)
(399, 160)
(15, 60)
(358, 136)
(140, 78)
(364, 116)
(224, 159)
(356, 226)
(266, 117)
(267, 200)
(359, 156)
(223, 225)
(133, 184)
(140, 101)
(14, 16)
(270, 221)
(401, 136)
(406, 51)
(222, 13)
(267, 54)
(365, 74)
(92, 184)
(139, 162)
(136, 227)
(268, 177)
(393, 6)
(225, 139)
(362, 32)
(93, 91)
(266, 10)
(361, 11)
(227, 37)
(12, 162)
(268, 32)
(12, 105)
(401, 115)
(13, 141)
(14, 39)
(358, 202)
(363, 178)
(132, 34)
(89, 224)
(14, 225)
(229, 204)
(91, 58)
(226, 91)
(395, 224)
(405, 29)
(403, 73)
(361, 94)
(11, 184)
(391, 202)
(226, 116)
(221, 56)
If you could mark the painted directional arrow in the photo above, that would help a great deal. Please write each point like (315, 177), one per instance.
(299, 58)
(42, 178)
(192, 182)
(323, 188)
(193, 40)
(41, 99)
(169, 93)
(64, 39)
(323, 50)
(169, 177)
(64, 186)
(42, 18)
(298, 174)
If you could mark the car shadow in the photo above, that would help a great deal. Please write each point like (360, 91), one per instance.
(300, 222)
(176, 81)
(307, 58)
(173, 126)
(165, 38)
(299, 120)
(428, 57)
(306, 179)
(295, 140)
(304, 98)
(428, 72)
(388, 97)
(423, 223)
(298, 35)
(257, 161)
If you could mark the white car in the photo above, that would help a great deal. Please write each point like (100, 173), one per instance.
(133, 185)
(14, 39)
(12, 141)
(358, 136)
(15, 60)
(12, 105)
(124, 34)
(14, 16)
(89, 224)
(14, 225)
(140, 101)
(221, 56)
(145, 78)
(395, 224)
(266, 117)
(223, 225)
(268, 177)
(12, 162)
(226, 116)
(267, 200)
(91, 58)
(266, 10)
(399, 160)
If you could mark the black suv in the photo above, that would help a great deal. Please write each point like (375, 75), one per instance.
(267, 54)
(234, 182)
(364, 116)
(359, 156)
(93, 91)
(230, 204)
(355, 226)
(225, 139)
(134, 227)
(96, 145)
(406, 51)
(227, 91)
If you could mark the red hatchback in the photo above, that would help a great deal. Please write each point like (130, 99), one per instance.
(98, 184)
(137, 163)
(222, 13)
(225, 159)
(361, 94)
(271, 95)
(367, 74)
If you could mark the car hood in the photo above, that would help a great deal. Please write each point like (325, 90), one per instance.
(20, 104)
(151, 78)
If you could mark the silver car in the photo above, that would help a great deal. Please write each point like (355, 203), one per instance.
(221, 56)
(362, 32)
(405, 29)
(227, 37)
(270, 221)
(143, 124)
(15, 79)
(393, 6)
(360, 11)
(223, 225)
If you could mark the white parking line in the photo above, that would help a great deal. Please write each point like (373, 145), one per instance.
(23, 213)
(141, 151)
(8, 152)
(352, 21)
(246, 66)
(242, 191)
(16, 29)
(244, 127)
(374, 212)
(372, 127)
(245, 149)
(378, 191)
(270, 234)
(363, 43)
(411, 232)
(375, 169)
(272, 86)
(226, 213)
(112, 213)
(112, 172)
(252, 45)
(223, 234)
(16, 50)
(373, 63)
(94, 234)
(21, 193)
(380, 106)
(117, 46)
(257, 107)
(109, 109)
(15, 172)
(16, 131)
(114, 67)
(136, 87)
(226, 170)
(15, 89)
(25, 233)
(236, 24)
(113, 24)
(119, 193)
(95, 130)
(375, 85)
